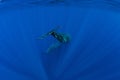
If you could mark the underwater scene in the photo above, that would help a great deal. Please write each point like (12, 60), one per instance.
(59, 39)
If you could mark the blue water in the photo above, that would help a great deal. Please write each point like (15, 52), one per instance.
(93, 52)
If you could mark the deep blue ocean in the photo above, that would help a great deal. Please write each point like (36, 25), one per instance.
(93, 50)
